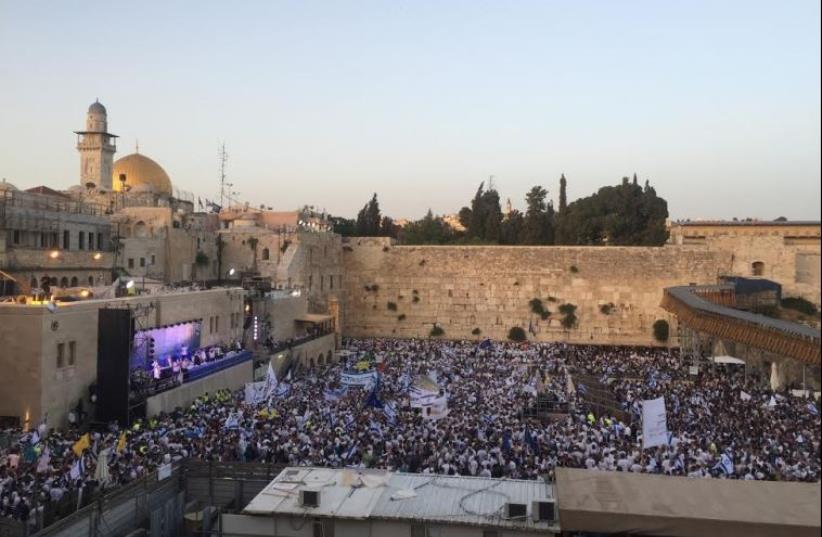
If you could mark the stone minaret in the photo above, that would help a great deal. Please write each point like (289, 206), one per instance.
(96, 146)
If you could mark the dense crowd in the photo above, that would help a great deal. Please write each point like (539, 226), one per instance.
(722, 423)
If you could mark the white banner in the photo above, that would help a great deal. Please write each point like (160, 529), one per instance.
(437, 409)
(654, 423)
(358, 379)
(255, 392)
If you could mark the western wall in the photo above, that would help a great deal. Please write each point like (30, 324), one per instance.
(616, 290)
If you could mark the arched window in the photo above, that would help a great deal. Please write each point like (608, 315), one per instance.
(63, 282)
(53, 281)
(266, 254)
(74, 281)
(758, 268)
(140, 230)
(91, 281)
(33, 283)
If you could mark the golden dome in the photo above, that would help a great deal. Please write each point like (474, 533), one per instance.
(142, 174)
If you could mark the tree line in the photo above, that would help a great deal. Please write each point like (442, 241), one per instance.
(626, 214)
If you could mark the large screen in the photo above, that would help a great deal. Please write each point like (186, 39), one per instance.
(165, 342)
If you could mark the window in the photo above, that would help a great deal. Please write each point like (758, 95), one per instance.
(61, 350)
(63, 282)
(331, 282)
(91, 281)
(66, 239)
(153, 259)
(758, 268)
(91, 240)
(16, 238)
(266, 254)
(74, 282)
(310, 281)
(43, 242)
(211, 325)
(130, 262)
(82, 240)
(72, 351)
(99, 241)
(142, 261)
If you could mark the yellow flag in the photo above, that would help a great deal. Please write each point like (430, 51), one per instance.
(121, 443)
(82, 444)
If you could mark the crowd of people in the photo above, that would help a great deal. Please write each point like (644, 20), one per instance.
(722, 423)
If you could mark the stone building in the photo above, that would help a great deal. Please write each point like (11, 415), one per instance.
(50, 239)
(784, 251)
(49, 355)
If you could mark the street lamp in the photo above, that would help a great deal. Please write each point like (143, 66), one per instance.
(231, 272)
(54, 254)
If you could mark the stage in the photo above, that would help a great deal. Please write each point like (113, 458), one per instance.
(233, 377)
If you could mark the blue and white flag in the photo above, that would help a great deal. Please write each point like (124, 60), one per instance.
(374, 428)
(78, 469)
(390, 411)
(812, 409)
(506, 441)
(725, 464)
(350, 453)
(271, 382)
(485, 344)
(332, 396)
(232, 421)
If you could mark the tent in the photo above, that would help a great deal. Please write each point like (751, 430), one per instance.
(645, 504)
(728, 360)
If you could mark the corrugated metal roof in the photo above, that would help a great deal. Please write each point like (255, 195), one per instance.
(382, 495)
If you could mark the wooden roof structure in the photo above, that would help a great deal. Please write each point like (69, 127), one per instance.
(694, 308)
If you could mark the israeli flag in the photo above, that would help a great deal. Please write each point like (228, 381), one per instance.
(332, 396)
(726, 464)
(232, 421)
(812, 409)
(350, 453)
(390, 411)
(375, 428)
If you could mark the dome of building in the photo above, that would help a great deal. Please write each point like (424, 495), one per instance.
(142, 174)
(97, 108)
(6, 186)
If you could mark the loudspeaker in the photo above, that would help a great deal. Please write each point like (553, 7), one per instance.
(115, 329)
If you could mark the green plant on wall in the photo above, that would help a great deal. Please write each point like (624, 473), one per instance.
(392, 306)
(607, 309)
(401, 317)
(539, 308)
(661, 330)
(516, 333)
(436, 331)
(569, 315)
(476, 331)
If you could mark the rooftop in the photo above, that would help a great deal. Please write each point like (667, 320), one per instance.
(747, 223)
(383, 495)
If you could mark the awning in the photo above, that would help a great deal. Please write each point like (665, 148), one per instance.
(727, 360)
(643, 504)
(313, 318)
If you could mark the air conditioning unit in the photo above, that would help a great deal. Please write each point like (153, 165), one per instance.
(309, 498)
(544, 511)
(516, 510)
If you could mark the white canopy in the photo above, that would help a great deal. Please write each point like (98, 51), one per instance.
(728, 360)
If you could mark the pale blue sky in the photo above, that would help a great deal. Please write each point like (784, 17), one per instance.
(717, 102)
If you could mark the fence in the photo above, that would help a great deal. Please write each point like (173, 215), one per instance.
(148, 502)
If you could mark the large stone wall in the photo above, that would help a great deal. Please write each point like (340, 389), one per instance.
(490, 287)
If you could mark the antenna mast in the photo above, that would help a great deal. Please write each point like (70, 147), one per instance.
(223, 159)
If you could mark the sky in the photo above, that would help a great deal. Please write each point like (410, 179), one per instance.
(717, 103)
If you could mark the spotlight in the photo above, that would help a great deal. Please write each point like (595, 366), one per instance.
(231, 272)
(98, 256)
(84, 293)
(130, 284)
(54, 254)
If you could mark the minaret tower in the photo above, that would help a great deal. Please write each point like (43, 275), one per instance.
(96, 146)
